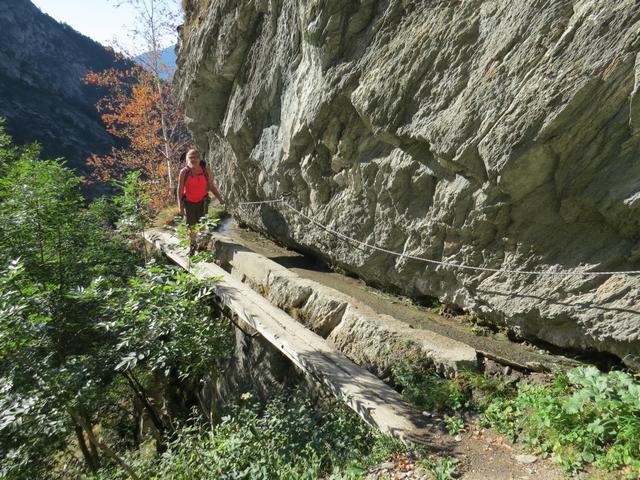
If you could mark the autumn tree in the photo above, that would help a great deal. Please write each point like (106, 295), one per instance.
(139, 110)
(156, 25)
(139, 107)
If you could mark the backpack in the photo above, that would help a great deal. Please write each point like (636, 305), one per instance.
(203, 166)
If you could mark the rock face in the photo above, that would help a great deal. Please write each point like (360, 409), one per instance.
(495, 133)
(42, 96)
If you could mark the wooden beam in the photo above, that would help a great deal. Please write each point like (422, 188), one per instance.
(377, 403)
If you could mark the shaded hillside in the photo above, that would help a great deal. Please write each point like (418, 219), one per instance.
(42, 95)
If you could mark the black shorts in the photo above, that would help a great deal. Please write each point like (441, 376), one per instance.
(195, 211)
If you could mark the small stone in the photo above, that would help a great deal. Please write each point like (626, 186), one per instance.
(386, 466)
(458, 438)
(526, 458)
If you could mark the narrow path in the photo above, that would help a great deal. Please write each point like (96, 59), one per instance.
(496, 346)
(482, 454)
(377, 404)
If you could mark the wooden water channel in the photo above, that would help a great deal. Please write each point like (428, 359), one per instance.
(377, 403)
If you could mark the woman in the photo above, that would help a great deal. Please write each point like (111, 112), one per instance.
(193, 193)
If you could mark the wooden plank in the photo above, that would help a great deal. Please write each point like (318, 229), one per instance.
(378, 404)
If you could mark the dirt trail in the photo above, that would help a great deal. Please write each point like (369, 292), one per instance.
(481, 455)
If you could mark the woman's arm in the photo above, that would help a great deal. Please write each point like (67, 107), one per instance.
(180, 190)
(212, 186)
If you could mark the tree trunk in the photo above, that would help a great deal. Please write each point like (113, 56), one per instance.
(102, 446)
(91, 458)
(165, 134)
(155, 52)
(140, 393)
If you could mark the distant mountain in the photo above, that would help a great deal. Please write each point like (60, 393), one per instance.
(167, 57)
(42, 95)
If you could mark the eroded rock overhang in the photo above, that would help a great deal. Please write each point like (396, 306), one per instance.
(498, 134)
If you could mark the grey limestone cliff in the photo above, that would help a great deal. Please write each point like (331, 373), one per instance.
(497, 133)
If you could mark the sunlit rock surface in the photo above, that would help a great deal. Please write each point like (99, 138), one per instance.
(500, 134)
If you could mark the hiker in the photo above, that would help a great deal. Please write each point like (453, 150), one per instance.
(194, 185)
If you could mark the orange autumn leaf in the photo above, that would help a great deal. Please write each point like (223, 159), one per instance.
(140, 112)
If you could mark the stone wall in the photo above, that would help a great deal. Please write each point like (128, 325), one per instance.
(494, 133)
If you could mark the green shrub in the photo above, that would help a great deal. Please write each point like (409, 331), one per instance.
(53, 356)
(427, 390)
(454, 425)
(584, 417)
(440, 469)
(289, 438)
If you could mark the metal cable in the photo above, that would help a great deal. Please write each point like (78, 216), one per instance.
(437, 262)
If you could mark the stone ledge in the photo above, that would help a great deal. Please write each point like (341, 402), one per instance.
(372, 340)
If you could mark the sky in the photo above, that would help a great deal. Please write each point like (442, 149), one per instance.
(98, 19)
